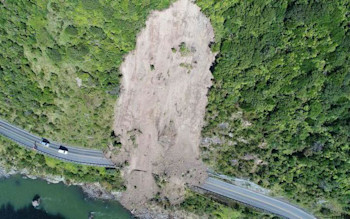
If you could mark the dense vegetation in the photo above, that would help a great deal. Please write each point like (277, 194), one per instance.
(59, 64)
(202, 205)
(279, 107)
(14, 156)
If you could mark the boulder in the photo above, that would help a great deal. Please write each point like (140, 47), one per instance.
(36, 201)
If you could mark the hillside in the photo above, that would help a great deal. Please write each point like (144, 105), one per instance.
(277, 114)
(160, 111)
(59, 74)
(279, 109)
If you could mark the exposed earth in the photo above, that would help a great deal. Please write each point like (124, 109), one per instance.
(159, 115)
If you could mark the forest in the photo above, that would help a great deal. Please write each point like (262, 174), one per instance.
(59, 61)
(278, 111)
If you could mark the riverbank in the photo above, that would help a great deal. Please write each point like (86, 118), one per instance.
(92, 190)
(97, 183)
(98, 192)
(57, 201)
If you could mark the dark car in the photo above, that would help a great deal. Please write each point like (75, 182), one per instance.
(63, 150)
(45, 142)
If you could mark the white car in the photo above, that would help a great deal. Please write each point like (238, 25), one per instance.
(63, 150)
(45, 142)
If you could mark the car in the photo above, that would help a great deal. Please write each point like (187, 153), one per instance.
(63, 150)
(45, 142)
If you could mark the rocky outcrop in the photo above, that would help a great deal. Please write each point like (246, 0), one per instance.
(36, 201)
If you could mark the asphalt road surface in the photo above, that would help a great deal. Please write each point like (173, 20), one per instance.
(78, 155)
(96, 158)
(255, 199)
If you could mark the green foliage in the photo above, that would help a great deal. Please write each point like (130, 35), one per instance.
(184, 51)
(71, 30)
(186, 65)
(13, 155)
(54, 55)
(282, 86)
(47, 46)
(200, 205)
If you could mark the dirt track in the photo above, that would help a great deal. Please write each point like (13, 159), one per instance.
(160, 112)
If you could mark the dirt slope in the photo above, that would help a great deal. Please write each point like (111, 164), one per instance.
(159, 114)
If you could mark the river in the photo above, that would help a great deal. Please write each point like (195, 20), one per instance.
(57, 201)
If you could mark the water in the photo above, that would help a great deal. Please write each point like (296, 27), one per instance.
(57, 201)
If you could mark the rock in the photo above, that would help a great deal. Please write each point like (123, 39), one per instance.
(54, 179)
(205, 141)
(117, 194)
(24, 172)
(240, 139)
(32, 177)
(3, 173)
(234, 162)
(223, 125)
(36, 201)
(91, 215)
(249, 157)
(262, 145)
(246, 123)
(216, 140)
(95, 190)
(108, 154)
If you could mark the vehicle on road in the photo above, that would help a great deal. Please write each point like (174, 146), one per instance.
(63, 150)
(45, 142)
(82, 156)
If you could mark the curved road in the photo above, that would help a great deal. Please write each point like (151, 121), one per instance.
(255, 199)
(96, 158)
(78, 155)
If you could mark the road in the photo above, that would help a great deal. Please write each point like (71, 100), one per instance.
(96, 158)
(78, 155)
(255, 199)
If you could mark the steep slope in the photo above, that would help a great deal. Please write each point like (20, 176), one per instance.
(160, 112)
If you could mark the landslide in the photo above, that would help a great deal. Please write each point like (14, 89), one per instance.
(159, 115)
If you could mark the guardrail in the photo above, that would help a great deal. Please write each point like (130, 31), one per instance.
(217, 197)
(231, 181)
(228, 191)
(28, 146)
(73, 161)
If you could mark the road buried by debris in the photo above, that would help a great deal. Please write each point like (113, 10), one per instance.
(159, 115)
